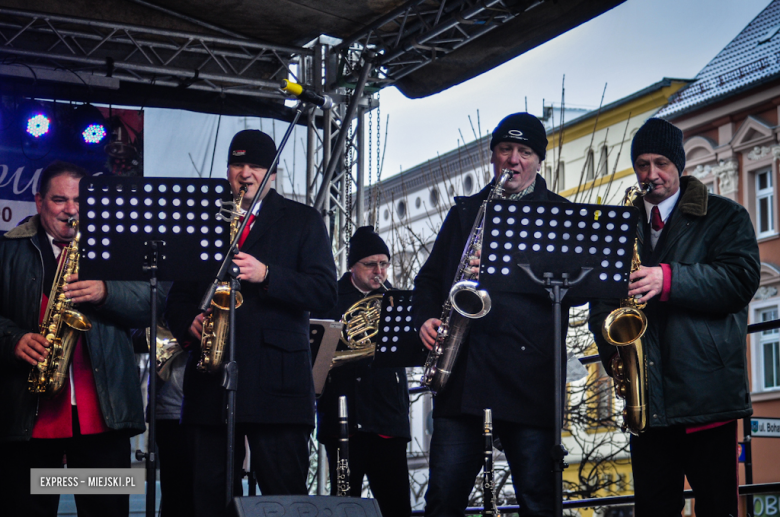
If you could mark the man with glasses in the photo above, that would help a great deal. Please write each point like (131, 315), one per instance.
(377, 398)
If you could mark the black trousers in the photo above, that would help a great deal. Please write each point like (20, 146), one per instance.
(661, 459)
(104, 450)
(383, 460)
(175, 470)
(279, 458)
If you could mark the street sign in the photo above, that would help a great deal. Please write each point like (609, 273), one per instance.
(765, 427)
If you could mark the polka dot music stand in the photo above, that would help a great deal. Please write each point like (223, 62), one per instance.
(150, 229)
(121, 219)
(398, 344)
(550, 249)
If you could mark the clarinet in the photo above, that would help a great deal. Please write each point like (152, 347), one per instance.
(342, 455)
(488, 483)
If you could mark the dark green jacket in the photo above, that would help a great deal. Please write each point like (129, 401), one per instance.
(127, 305)
(695, 341)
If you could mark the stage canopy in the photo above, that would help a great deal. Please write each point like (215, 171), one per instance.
(227, 56)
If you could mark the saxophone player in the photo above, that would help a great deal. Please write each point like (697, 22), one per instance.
(287, 270)
(700, 269)
(90, 420)
(377, 398)
(506, 362)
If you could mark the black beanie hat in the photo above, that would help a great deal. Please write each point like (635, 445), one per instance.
(364, 243)
(252, 146)
(658, 136)
(521, 128)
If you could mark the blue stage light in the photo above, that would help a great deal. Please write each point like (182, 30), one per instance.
(38, 125)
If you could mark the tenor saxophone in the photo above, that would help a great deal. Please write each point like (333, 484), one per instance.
(217, 323)
(624, 328)
(466, 301)
(61, 326)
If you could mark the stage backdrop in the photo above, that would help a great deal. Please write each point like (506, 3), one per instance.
(22, 159)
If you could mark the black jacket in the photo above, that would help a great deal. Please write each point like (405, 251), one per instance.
(506, 363)
(272, 326)
(695, 341)
(377, 398)
(110, 348)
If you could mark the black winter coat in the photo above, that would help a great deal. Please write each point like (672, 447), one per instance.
(377, 398)
(275, 382)
(127, 305)
(695, 341)
(506, 363)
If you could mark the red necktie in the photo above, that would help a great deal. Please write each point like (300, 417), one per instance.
(247, 228)
(655, 219)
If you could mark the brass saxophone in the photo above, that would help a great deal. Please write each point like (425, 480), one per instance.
(466, 301)
(217, 324)
(624, 328)
(61, 326)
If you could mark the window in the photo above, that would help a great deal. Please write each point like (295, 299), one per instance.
(770, 349)
(468, 184)
(401, 209)
(417, 202)
(434, 197)
(603, 165)
(590, 172)
(765, 200)
(603, 394)
(561, 176)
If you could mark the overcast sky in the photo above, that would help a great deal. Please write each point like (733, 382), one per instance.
(628, 48)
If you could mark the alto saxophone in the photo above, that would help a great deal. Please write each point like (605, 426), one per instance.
(624, 328)
(217, 324)
(61, 326)
(466, 301)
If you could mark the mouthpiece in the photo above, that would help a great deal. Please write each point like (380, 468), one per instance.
(647, 188)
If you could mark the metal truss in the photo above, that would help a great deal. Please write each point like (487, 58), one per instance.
(421, 31)
(149, 56)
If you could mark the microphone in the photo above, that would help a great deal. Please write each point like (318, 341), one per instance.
(323, 101)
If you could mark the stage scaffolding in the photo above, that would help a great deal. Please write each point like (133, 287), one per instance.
(101, 55)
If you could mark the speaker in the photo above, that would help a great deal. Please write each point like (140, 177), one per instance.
(305, 506)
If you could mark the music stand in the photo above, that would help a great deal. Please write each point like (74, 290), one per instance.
(533, 247)
(150, 229)
(324, 337)
(398, 344)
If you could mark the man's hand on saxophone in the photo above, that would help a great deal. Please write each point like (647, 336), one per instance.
(429, 331)
(647, 282)
(31, 348)
(252, 270)
(85, 291)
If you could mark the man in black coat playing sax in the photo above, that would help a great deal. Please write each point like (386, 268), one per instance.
(287, 270)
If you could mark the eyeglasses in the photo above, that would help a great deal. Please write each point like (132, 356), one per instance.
(372, 265)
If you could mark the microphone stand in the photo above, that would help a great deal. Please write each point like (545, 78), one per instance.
(228, 269)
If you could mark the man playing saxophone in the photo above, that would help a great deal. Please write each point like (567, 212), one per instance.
(506, 362)
(377, 398)
(700, 269)
(286, 270)
(90, 420)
